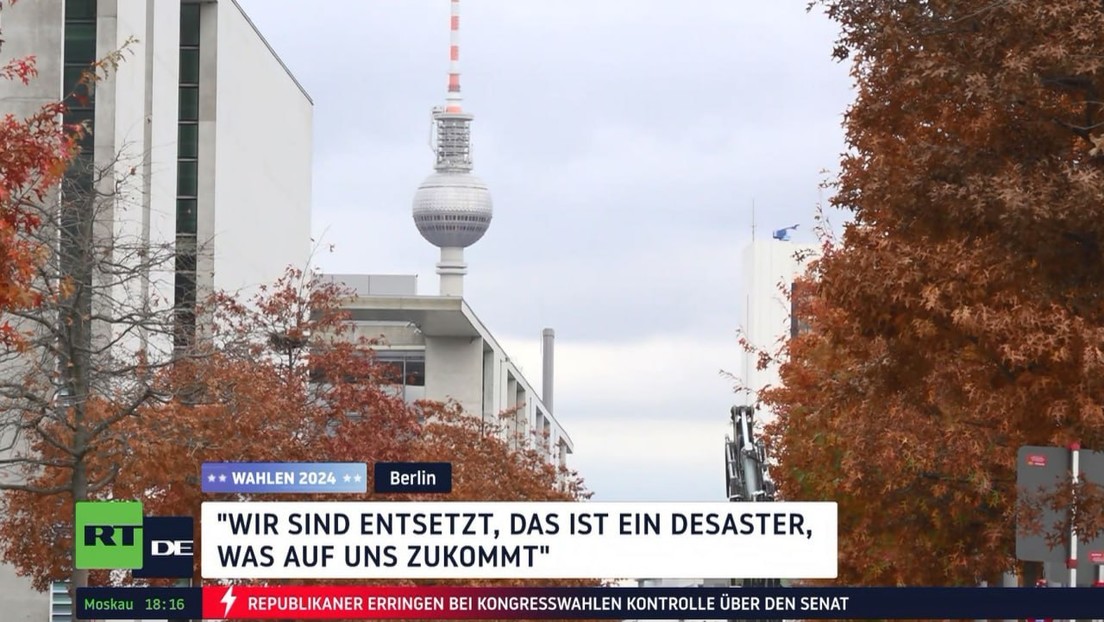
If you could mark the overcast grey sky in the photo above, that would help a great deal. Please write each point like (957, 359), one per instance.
(624, 142)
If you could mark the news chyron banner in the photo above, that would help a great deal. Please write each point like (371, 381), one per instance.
(360, 602)
(517, 540)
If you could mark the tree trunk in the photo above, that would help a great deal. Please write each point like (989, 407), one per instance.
(78, 577)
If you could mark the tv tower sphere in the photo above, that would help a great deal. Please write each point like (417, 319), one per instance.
(452, 209)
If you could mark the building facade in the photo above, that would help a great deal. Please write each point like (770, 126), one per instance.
(204, 129)
(770, 268)
(439, 350)
(188, 119)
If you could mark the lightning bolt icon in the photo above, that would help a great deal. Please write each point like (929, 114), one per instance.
(228, 599)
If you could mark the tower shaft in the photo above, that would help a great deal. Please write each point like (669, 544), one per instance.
(451, 270)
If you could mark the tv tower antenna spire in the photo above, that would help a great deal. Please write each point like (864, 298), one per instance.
(453, 98)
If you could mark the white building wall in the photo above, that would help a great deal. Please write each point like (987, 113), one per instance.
(454, 369)
(141, 110)
(163, 97)
(263, 159)
(770, 267)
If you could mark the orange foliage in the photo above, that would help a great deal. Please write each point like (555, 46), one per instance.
(286, 381)
(34, 153)
(961, 316)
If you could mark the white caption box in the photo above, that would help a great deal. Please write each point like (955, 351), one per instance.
(532, 540)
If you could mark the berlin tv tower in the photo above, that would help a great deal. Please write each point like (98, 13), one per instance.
(452, 207)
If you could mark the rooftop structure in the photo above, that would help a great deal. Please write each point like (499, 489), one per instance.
(440, 350)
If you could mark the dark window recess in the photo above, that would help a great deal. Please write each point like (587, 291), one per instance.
(392, 372)
(187, 175)
(186, 215)
(80, 42)
(189, 25)
(80, 9)
(189, 103)
(187, 178)
(801, 293)
(77, 94)
(189, 66)
(415, 373)
(185, 328)
(78, 54)
(186, 263)
(409, 372)
(187, 136)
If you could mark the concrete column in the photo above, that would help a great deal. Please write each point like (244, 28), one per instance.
(452, 269)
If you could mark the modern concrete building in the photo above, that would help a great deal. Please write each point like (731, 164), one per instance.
(210, 131)
(770, 268)
(439, 348)
(188, 119)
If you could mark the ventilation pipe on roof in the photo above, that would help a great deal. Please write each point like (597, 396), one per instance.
(549, 336)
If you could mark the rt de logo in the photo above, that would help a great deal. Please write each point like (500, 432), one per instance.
(115, 534)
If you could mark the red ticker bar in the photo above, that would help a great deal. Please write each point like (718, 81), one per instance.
(493, 603)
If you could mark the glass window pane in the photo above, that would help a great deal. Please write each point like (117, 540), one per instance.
(189, 66)
(189, 103)
(392, 372)
(187, 178)
(415, 373)
(72, 76)
(80, 9)
(80, 115)
(189, 24)
(80, 43)
(186, 216)
(187, 140)
(185, 266)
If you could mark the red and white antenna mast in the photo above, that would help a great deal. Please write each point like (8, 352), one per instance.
(453, 98)
(451, 139)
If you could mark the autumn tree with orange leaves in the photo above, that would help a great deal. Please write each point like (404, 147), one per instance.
(961, 316)
(284, 378)
(34, 154)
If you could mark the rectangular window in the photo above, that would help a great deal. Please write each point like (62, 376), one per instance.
(392, 372)
(189, 25)
(415, 373)
(189, 103)
(186, 216)
(405, 370)
(80, 43)
(187, 140)
(187, 174)
(189, 66)
(187, 178)
(801, 293)
(185, 263)
(80, 10)
(71, 78)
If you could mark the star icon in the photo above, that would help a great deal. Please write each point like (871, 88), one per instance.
(356, 478)
(347, 478)
(222, 478)
(211, 477)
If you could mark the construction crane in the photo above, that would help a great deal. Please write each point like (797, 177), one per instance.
(746, 474)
